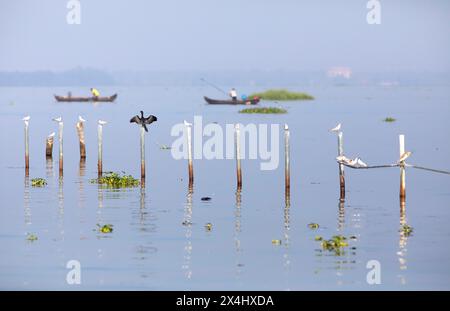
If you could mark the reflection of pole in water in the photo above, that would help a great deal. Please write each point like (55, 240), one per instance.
(237, 231)
(81, 195)
(188, 234)
(402, 252)
(237, 142)
(341, 214)
(286, 242)
(49, 168)
(26, 201)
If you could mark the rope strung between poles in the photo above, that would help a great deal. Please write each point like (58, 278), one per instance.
(395, 165)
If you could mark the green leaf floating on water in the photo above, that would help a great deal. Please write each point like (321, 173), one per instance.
(31, 237)
(313, 226)
(108, 228)
(406, 229)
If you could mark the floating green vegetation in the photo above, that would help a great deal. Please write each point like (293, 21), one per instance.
(313, 226)
(208, 226)
(108, 228)
(116, 180)
(266, 110)
(165, 147)
(389, 119)
(31, 237)
(318, 238)
(406, 229)
(38, 182)
(282, 94)
(335, 244)
(276, 242)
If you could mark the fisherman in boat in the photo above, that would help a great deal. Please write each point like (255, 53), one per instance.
(233, 94)
(95, 92)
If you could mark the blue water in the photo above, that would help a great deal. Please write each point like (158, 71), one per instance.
(150, 248)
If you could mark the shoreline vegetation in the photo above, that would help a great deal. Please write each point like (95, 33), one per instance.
(264, 110)
(282, 94)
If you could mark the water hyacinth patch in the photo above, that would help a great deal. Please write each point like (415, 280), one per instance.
(264, 110)
(116, 180)
(335, 244)
(282, 94)
(38, 182)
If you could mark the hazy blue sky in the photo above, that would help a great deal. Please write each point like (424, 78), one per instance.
(225, 34)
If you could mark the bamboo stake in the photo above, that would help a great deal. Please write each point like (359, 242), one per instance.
(238, 155)
(401, 139)
(341, 166)
(49, 145)
(142, 155)
(61, 154)
(80, 131)
(100, 147)
(189, 146)
(287, 169)
(27, 145)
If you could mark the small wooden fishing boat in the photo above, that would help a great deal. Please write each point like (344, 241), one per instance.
(211, 101)
(85, 99)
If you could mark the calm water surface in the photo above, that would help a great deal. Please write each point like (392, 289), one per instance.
(150, 248)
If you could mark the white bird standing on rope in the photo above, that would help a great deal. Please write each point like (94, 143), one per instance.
(80, 119)
(51, 135)
(336, 129)
(343, 159)
(359, 162)
(187, 123)
(101, 122)
(59, 119)
(404, 156)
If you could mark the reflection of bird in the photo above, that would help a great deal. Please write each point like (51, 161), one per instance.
(404, 156)
(101, 122)
(51, 135)
(141, 120)
(336, 129)
(59, 119)
(80, 119)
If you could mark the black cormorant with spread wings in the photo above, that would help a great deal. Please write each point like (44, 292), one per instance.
(143, 121)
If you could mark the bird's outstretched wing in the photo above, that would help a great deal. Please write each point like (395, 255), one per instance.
(150, 119)
(135, 119)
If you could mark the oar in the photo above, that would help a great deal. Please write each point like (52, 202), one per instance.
(214, 86)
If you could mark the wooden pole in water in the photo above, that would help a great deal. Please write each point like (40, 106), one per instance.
(189, 146)
(142, 154)
(100, 147)
(49, 145)
(61, 154)
(27, 145)
(287, 169)
(237, 142)
(401, 139)
(80, 131)
(341, 166)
